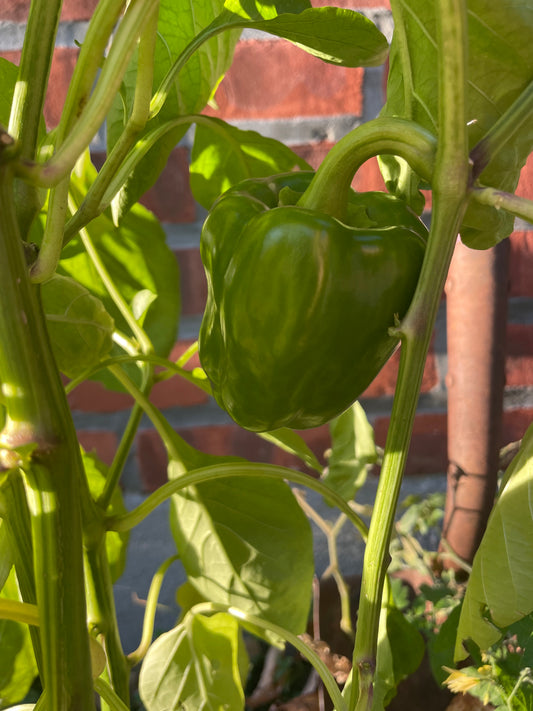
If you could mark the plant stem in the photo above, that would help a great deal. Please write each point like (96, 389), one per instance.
(149, 615)
(101, 615)
(78, 130)
(34, 68)
(19, 612)
(516, 205)
(329, 189)
(125, 522)
(37, 414)
(91, 206)
(28, 97)
(109, 696)
(450, 192)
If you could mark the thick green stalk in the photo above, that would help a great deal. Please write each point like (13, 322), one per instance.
(29, 96)
(34, 68)
(450, 193)
(37, 416)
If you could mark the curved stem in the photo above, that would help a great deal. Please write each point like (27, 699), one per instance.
(149, 615)
(50, 251)
(216, 27)
(209, 608)
(125, 522)
(330, 187)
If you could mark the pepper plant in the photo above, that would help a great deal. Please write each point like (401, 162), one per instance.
(90, 290)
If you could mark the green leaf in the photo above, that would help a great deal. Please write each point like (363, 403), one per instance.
(441, 645)
(17, 662)
(352, 452)
(400, 653)
(79, 327)
(179, 22)
(6, 557)
(290, 441)
(500, 588)
(407, 645)
(116, 543)
(140, 264)
(335, 35)
(200, 665)
(223, 155)
(246, 542)
(500, 65)
(8, 79)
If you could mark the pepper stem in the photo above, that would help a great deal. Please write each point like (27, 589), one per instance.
(329, 189)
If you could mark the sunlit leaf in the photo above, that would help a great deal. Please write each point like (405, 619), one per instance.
(200, 665)
(79, 327)
(223, 155)
(500, 588)
(17, 662)
(246, 542)
(352, 452)
(179, 21)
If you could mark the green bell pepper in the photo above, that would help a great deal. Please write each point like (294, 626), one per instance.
(300, 304)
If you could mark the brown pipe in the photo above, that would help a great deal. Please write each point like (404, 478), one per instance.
(476, 295)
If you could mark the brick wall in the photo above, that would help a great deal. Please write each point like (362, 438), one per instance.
(309, 105)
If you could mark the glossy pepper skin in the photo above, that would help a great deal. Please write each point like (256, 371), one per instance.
(299, 304)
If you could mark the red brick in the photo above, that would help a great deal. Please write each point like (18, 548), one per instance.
(170, 198)
(102, 443)
(14, 10)
(428, 451)
(525, 184)
(519, 362)
(368, 177)
(78, 9)
(223, 441)
(192, 281)
(275, 79)
(313, 153)
(385, 382)
(92, 396)
(63, 64)
(177, 391)
(515, 423)
(152, 460)
(521, 264)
